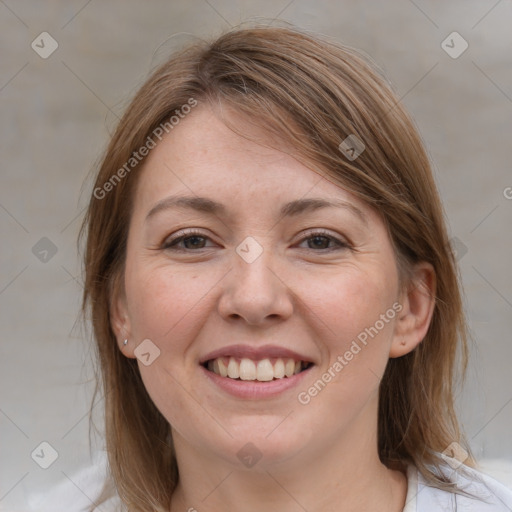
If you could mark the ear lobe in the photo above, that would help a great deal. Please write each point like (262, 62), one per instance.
(418, 302)
(119, 317)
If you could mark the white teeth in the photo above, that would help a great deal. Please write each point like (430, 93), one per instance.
(223, 369)
(261, 370)
(233, 369)
(247, 369)
(289, 369)
(279, 369)
(264, 370)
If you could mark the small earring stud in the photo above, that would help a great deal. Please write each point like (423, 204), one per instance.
(125, 342)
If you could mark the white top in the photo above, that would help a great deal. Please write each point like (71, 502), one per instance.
(421, 497)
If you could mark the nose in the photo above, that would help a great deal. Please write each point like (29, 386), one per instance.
(255, 292)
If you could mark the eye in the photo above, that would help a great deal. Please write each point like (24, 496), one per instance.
(323, 240)
(190, 239)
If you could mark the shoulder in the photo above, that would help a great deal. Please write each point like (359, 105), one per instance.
(82, 490)
(486, 493)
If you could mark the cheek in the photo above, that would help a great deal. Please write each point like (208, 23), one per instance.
(352, 302)
(165, 303)
(356, 344)
(163, 386)
(355, 312)
(168, 307)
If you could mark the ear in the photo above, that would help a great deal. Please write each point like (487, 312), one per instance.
(418, 302)
(120, 319)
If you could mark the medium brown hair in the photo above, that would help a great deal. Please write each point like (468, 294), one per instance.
(313, 94)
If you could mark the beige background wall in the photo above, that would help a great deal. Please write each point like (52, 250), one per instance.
(56, 114)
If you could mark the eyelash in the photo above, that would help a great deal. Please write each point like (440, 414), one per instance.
(170, 244)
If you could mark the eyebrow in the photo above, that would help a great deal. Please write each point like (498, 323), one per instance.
(291, 209)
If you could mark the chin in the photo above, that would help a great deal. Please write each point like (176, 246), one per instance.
(261, 443)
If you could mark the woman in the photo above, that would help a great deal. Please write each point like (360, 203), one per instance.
(274, 299)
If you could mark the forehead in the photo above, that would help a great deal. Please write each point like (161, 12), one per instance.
(202, 156)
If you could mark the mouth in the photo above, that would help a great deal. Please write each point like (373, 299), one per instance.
(259, 370)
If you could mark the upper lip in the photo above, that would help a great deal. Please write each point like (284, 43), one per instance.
(255, 353)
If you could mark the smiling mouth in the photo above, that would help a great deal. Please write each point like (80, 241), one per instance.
(263, 370)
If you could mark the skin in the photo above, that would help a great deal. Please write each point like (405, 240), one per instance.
(309, 295)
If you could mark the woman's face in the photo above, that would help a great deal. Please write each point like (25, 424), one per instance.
(254, 274)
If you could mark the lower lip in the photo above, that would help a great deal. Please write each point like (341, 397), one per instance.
(253, 389)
